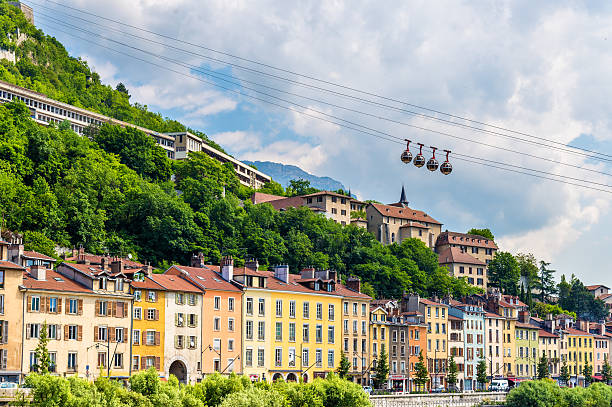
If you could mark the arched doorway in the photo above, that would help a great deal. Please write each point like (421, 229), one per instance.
(277, 376)
(291, 377)
(178, 369)
(305, 377)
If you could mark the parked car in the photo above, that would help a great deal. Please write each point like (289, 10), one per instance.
(499, 385)
(367, 389)
(8, 385)
(438, 389)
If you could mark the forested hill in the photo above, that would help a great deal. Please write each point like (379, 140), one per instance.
(112, 192)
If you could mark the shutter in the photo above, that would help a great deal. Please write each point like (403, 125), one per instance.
(66, 332)
(96, 339)
(195, 319)
(143, 362)
(28, 331)
(80, 307)
(67, 306)
(157, 338)
(59, 306)
(79, 333)
(29, 303)
(176, 319)
(58, 332)
(111, 333)
(157, 363)
(119, 306)
(44, 304)
(176, 344)
(157, 315)
(144, 338)
(97, 308)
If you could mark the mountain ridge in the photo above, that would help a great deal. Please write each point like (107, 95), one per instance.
(283, 173)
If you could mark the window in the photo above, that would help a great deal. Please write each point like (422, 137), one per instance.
(306, 309)
(249, 329)
(291, 331)
(291, 309)
(319, 357)
(330, 334)
(248, 357)
(137, 295)
(151, 296)
(192, 320)
(217, 303)
(119, 284)
(102, 359)
(249, 306)
(261, 330)
(72, 361)
(179, 341)
(355, 326)
(354, 308)
(279, 308)
(150, 338)
(179, 319)
(136, 337)
(262, 307)
(1, 278)
(363, 310)
(279, 331)
(330, 312)
(363, 328)
(118, 360)
(135, 362)
(179, 298)
(193, 299)
(278, 357)
(73, 306)
(319, 309)
(193, 342)
(330, 358)
(73, 332)
(319, 333)
(102, 332)
(102, 308)
(217, 324)
(230, 304)
(137, 313)
(230, 324)
(260, 357)
(102, 283)
(305, 333)
(345, 308)
(34, 330)
(346, 326)
(53, 305)
(151, 314)
(35, 304)
(230, 345)
(305, 357)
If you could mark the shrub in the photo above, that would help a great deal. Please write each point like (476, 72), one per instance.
(539, 393)
(254, 397)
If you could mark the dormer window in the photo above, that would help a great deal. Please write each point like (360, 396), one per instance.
(317, 286)
(119, 284)
(102, 283)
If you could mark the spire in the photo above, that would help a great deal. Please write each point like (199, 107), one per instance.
(403, 199)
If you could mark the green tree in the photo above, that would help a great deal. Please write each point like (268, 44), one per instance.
(300, 187)
(504, 273)
(358, 215)
(543, 372)
(486, 233)
(451, 378)
(536, 393)
(587, 371)
(381, 370)
(574, 296)
(546, 284)
(422, 375)
(606, 371)
(43, 362)
(564, 373)
(344, 366)
(481, 373)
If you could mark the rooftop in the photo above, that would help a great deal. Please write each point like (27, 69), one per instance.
(464, 239)
(30, 254)
(455, 255)
(404, 213)
(205, 278)
(53, 282)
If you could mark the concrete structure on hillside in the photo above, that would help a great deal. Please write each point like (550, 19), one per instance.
(25, 9)
(45, 110)
(396, 222)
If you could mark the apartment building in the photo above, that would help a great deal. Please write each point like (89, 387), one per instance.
(478, 247)
(222, 315)
(26, 258)
(44, 111)
(456, 348)
(355, 328)
(527, 346)
(549, 346)
(334, 206)
(396, 222)
(149, 320)
(494, 343)
(407, 338)
(11, 316)
(473, 334)
(579, 349)
(97, 339)
(378, 334)
(461, 264)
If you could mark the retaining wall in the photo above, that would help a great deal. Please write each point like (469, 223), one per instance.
(436, 400)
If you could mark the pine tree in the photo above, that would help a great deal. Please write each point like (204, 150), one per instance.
(606, 371)
(452, 373)
(588, 373)
(42, 352)
(481, 373)
(564, 374)
(344, 366)
(547, 281)
(382, 368)
(543, 367)
(422, 375)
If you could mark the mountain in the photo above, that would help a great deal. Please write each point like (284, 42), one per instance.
(282, 174)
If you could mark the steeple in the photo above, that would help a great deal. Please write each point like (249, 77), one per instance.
(403, 199)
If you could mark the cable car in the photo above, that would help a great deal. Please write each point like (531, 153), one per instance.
(419, 160)
(446, 167)
(432, 163)
(406, 154)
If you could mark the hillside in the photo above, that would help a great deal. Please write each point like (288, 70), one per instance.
(112, 191)
(283, 173)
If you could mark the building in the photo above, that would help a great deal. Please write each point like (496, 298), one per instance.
(461, 264)
(396, 222)
(26, 258)
(507, 307)
(149, 320)
(527, 346)
(221, 310)
(44, 110)
(25, 9)
(476, 246)
(550, 347)
(98, 315)
(355, 328)
(11, 316)
(494, 344)
(579, 347)
(378, 334)
(598, 290)
(332, 205)
(456, 344)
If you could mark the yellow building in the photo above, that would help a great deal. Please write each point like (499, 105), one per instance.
(550, 346)
(302, 328)
(507, 307)
(378, 332)
(579, 347)
(436, 319)
(149, 317)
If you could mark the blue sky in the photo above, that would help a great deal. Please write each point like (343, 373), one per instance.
(540, 68)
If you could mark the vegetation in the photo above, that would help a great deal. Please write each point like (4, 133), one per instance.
(486, 233)
(541, 310)
(453, 371)
(564, 374)
(422, 375)
(606, 371)
(587, 371)
(146, 390)
(545, 393)
(381, 371)
(543, 372)
(504, 273)
(481, 373)
(344, 366)
(43, 361)
(574, 296)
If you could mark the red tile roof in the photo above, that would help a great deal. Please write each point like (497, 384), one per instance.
(204, 278)
(404, 213)
(604, 297)
(260, 197)
(347, 292)
(35, 255)
(577, 332)
(493, 315)
(454, 318)
(595, 287)
(97, 259)
(526, 325)
(54, 282)
(293, 202)
(148, 284)
(412, 224)
(464, 239)
(430, 302)
(455, 255)
(10, 265)
(175, 283)
(545, 334)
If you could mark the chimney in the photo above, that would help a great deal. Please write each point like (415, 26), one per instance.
(354, 283)
(307, 273)
(322, 274)
(197, 260)
(75, 253)
(38, 271)
(227, 268)
(281, 272)
(333, 275)
(117, 266)
(602, 327)
(104, 263)
(524, 317)
(81, 255)
(252, 264)
(148, 269)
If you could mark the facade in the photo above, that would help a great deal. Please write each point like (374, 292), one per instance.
(601, 354)
(507, 307)
(476, 246)
(527, 347)
(598, 290)
(579, 346)
(379, 338)
(493, 344)
(222, 315)
(549, 345)
(473, 333)
(396, 222)
(461, 264)
(456, 344)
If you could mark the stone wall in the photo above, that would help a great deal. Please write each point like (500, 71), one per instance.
(436, 400)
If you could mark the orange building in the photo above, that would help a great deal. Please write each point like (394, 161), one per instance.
(221, 315)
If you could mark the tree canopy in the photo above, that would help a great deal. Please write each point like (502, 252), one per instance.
(486, 233)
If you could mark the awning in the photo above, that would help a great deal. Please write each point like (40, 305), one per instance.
(597, 377)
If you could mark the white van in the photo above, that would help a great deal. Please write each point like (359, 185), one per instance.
(499, 385)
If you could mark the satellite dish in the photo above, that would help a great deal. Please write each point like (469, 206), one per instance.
(130, 256)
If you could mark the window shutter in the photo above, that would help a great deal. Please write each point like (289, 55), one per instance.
(80, 307)
(157, 315)
(143, 363)
(195, 342)
(59, 306)
(144, 338)
(111, 332)
(157, 363)
(97, 308)
(58, 332)
(195, 319)
(176, 319)
(157, 338)
(176, 342)
(113, 308)
(96, 338)
(119, 309)
(29, 303)
(28, 331)
(80, 333)
(66, 331)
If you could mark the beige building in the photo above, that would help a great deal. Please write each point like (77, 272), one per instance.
(461, 264)
(396, 222)
(494, 350)
(476, 246)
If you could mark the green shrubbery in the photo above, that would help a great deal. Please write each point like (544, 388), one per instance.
(146, 390)
(546, 393)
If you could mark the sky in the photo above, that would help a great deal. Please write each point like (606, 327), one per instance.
(538, 68)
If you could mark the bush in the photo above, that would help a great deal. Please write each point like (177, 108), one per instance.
(253, 397)
(546, 393)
